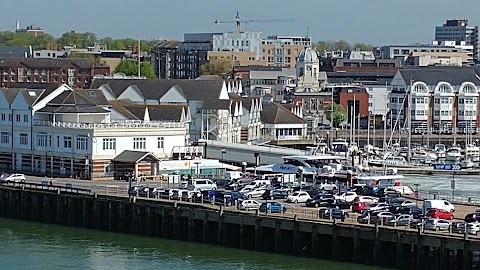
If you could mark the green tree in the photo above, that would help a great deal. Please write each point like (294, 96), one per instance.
(130, 68)
(216, 66)
(147, 70)
(80, 40)
(335, 113)
(362, 47)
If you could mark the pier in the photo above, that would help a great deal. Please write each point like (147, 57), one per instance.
(299, 236)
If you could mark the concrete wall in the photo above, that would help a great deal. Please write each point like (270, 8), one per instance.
(366, 244)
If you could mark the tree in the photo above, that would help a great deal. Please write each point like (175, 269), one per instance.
(130, 68)
(335, 113)
(216, 66)
(80, 40)
(147, 70)
(362, 47)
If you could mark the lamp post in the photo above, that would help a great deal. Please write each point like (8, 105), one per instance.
(328, 141)
(416, 193)
(336, 133)
(198, 168)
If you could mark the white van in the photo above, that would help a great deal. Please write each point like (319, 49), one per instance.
(232, 175)
(258, 183)
(437, 204)
(201, 184)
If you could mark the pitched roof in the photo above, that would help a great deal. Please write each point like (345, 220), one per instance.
(129, 156)
(39, 63)
(72, 109)
(432, 76)
(207, 91)
(14, 51)
(166, 112)
(274, 113)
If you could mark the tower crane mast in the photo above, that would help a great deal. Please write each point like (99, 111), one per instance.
(238, 21)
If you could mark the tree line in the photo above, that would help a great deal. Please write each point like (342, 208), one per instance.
(77, 39)
(340, 45)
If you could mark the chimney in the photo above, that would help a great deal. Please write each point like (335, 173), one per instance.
(48, 46)
(17, 26)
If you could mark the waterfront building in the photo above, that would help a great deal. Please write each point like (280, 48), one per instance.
(443, 99)
(217, 110)
(459, 31)
(76, 73)
(262, 80)
(54, 130)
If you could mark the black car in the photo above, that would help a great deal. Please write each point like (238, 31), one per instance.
(341, 204)
(414, 211)
(223, 182)
(229, 197)
(273, 194)
(311, 190)
(320, 200)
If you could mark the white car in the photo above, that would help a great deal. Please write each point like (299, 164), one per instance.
(326, 186)
(377, 207)
(245, 190)
(249, 205)
(298, 197)
(408, 203)
(16, 177)
(348, 196)
(257, 192)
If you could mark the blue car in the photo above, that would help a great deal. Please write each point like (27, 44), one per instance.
(273, 207)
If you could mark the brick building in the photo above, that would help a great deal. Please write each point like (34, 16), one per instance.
(76, 73)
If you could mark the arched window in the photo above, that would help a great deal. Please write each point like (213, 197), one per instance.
(444, 88)
(469, 89)
(419, 89)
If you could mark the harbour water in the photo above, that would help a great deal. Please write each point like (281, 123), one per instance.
(29, 246)
(466, 185)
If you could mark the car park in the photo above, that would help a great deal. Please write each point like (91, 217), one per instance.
(274, 194)
(440, 213)
(437, 224)
(249, 205)
(298, 196)
(273, 207)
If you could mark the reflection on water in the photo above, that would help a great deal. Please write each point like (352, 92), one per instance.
(38, 246)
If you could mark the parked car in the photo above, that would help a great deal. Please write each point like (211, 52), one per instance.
(249, 205)
(273, 194)
(298, 196)
(414, 211)
(388, 191)
(311, 190)
(366, 199)
(358, 207)
(440, 213)
(401, 220)
(256, 192)
(223, 183)
(273, 207)
(15, 177)
(338, 214)
(408, 203)
(377, 207)
(340, 204)
(417, 223)
(325, 186)
(437, 224)
(470, 228)
(437, 204)
(472, 217)
(348, 196)
(320, 200)
(201, 184)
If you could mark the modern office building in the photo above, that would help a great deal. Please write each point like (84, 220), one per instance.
(458, 30)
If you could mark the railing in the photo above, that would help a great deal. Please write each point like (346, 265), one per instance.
(113, 125)
(46, 185)
(451, 197)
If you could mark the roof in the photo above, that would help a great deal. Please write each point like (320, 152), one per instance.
(308, 55)
(129, 156)
(40, 63)
(14, 51)
(207, 91)
(274, 113)
(430, 76)
(72, 109)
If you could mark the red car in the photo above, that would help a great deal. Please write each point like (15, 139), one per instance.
(439, 213)
(357, 207)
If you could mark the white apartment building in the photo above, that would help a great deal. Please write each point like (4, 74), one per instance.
(53, 130)
(442, 100)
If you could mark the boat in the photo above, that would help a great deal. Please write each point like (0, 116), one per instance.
(389, 160)
(390, 175)
(467, 163)
(473, 152)
(453, 153)
(440, 150)
(340, 148)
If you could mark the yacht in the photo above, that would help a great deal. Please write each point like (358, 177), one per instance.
(389, 175)
(466, 163)
(473, 152)
(453, 153)
(389, 160)
(440, 150)
(340, 147)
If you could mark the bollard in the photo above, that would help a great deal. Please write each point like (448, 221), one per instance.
(58, 191)
(134, 200)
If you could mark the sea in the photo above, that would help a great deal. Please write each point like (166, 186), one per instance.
(27, 246)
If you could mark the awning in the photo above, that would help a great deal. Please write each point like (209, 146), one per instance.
(134, 157)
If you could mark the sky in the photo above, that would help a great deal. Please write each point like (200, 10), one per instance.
(377, 22)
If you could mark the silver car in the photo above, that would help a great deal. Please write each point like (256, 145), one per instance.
(437, 224)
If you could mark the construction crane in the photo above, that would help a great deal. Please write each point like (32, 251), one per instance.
(238, 21)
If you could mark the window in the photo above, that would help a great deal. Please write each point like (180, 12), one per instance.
(139, 143)
(18, 117)
(4, 117)
(23, 138)
(42, 140)
(10, 117)
(437, 113)
(109, 143)
(67, 141)
(460, 101)
(5, 137)
(25, 118)
(82, 143)
(160, 142)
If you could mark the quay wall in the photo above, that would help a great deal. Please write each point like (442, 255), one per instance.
(366, 244)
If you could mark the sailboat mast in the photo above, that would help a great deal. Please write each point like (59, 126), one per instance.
(409, 154)
(385, 119)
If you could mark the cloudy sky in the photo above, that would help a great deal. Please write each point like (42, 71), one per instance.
(373, 21)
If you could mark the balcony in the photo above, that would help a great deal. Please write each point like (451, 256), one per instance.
(113, 125)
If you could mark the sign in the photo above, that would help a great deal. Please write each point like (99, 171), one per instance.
(447, 167)
(452, 184)
(285, 168)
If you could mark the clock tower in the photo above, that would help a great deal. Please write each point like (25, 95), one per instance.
(308, 70)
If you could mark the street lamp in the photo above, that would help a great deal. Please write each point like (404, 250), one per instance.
(198, 168)
(328, 141)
